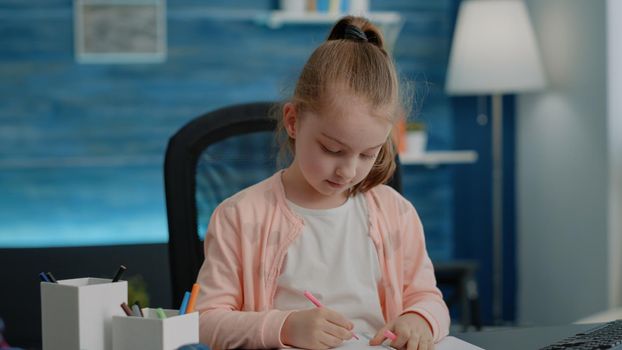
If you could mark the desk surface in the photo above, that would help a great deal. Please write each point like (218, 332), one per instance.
(522, 338)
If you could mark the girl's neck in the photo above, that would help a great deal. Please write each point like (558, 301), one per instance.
(301, 193)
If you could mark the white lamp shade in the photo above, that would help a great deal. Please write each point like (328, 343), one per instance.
(494, 50)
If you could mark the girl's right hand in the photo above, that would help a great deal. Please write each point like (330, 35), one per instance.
(318, 328)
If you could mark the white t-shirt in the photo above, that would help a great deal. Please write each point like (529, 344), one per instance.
(335, 259)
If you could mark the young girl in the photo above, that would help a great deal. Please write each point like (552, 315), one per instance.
(325, 224)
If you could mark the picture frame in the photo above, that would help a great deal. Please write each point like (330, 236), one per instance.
(120, 31)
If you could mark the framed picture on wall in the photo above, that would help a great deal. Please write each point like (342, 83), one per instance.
(120, 31)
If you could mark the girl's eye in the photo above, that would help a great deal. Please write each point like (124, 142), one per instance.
(329, 151)
(368, 156)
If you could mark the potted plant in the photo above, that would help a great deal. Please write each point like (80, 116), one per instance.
(416, 137)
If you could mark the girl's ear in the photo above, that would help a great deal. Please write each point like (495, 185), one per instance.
(290, 117)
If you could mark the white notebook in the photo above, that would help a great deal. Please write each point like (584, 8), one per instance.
(448, 343)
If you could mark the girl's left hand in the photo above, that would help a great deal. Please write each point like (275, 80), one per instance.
(412, 330)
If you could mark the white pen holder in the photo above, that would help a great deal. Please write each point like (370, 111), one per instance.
(77, 313)
(151, 332)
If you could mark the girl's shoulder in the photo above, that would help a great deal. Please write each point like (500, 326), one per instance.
(387, 194)
(386, 199)
(260, 194)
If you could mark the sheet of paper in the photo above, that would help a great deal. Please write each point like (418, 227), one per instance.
(449, 343)
(453, 343)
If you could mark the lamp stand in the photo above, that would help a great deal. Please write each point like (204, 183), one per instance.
(497, 206)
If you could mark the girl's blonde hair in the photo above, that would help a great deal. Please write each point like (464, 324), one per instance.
(353, 57)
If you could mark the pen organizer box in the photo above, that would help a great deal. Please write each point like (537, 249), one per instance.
(77, 313)
(153, 333)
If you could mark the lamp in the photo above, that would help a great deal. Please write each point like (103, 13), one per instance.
(494, 52)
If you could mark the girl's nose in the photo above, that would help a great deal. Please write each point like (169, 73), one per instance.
(347, 170)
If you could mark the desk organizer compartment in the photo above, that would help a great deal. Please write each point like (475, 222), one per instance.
(151, 332)
(77, 313)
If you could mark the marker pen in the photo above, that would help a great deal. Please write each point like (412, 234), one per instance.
(126, 309)
(184, 303)
(44, 277)
(160, 313)
(51, 277)
(119, 273)
(136, 311)
(140, 309)
(313, 299)
(193, 298)
(390, 335)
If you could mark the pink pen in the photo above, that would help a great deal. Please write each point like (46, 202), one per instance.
(390, 335)
(317, 303)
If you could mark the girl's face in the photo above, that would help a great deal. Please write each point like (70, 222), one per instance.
(336, 148)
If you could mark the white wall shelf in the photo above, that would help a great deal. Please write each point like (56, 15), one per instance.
(276, 19)
(435, 158)
(390, 23)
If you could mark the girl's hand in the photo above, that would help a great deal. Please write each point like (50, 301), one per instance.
(318, 328)
(412, 330)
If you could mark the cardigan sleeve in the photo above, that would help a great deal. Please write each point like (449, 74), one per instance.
(420, 294)
(222, 322)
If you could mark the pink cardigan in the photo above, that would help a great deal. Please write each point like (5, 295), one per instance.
(247, 240)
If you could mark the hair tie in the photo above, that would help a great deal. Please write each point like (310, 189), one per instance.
(354, 33)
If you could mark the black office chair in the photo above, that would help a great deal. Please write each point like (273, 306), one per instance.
(207, 161)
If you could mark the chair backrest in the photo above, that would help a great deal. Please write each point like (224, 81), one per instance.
(207, 160)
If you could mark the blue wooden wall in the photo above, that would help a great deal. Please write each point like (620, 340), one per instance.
(82, 145)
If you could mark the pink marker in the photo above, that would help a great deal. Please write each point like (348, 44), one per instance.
(317, 303)
(390, 335)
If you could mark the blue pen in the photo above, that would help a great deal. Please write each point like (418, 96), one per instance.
(184, 303)
(44, 277)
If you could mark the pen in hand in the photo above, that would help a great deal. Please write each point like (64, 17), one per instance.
(390, 335)
(317, 303)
